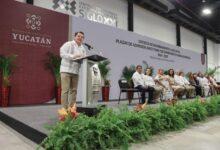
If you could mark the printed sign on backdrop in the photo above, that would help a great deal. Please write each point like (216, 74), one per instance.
(31, 35)
(29, 32)
(87, 11)
(125, 48)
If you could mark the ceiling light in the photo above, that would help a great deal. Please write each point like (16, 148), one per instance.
(206, 11)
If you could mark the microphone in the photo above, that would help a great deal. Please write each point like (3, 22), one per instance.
(88, 45)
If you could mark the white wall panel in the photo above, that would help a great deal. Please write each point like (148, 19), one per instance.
(191, 40)
(153, 25)
(212, 57)
(217, 58)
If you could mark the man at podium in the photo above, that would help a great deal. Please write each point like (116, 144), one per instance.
(69, 68)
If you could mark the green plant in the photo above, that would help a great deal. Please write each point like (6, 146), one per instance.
(185, 111)
(53, 63)
(165, 72)
(127, 73)
(101, 132)
(138, 122)
(112, 129)
(211, 71)
(212, 106)
(156, 121)
(218, 105)
(6, 66)
(104, 70)
(171, 120)
(198, 110)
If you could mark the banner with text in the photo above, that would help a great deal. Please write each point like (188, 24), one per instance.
(125, 48)
(84, 9)
(30, 32)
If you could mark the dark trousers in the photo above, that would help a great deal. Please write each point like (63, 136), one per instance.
(198, 90)
(143, 90)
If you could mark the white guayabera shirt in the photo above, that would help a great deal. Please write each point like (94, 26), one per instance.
(203, 81)
(149, 81)
(138, 79)
(178, 79)
(68, 53)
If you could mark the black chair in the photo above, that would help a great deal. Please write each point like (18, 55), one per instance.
(124, 87)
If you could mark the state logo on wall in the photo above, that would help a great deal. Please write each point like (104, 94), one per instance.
(33, 22)
(31, 32)
(31, 35)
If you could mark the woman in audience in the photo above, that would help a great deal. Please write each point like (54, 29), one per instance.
(149, 81)
(194, 82)
(163, 81)
(214, 83)
(177, 89)
(204, 83)
(212, 87)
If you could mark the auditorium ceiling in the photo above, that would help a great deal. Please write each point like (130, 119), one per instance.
(190, 14)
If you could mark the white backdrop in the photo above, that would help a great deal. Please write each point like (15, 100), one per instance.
(125, 48)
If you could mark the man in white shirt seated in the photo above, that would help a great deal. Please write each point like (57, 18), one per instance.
(149, 81)
(204, 83)
(138, 80)
(69, 68)
(181, 80)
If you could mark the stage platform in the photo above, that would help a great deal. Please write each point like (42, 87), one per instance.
(31, 121)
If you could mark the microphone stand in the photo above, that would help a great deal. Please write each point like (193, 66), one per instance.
(92, 51)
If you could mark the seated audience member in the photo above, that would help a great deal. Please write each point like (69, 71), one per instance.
(190, 90)
(214, 83)
(194, 82)
(204, 83)
(163, 81)
(178, 89)
(211, 85)
(138, 80)
(149, 81)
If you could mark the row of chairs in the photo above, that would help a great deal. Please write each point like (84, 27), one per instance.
(125, 88)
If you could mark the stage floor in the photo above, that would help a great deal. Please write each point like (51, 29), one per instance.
(39, 116)
(31, 121)
(34, 116)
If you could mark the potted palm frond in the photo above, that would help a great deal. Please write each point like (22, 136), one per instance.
(53, 63)
(6, 66)
(211, 71)
(127, 74)
(165, 72)
(104, 71)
